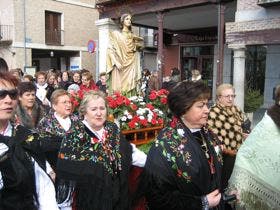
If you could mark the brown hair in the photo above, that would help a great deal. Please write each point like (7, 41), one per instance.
(29, 77)
(88, 75)
(40, 73)
(7, 77)
(56, 94)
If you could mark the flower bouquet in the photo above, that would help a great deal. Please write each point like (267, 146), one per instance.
(76, 99)
(134, 113)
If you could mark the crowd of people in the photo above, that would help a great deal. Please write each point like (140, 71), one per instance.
(52, 158)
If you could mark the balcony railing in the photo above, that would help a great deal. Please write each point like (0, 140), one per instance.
(6, 33)
(55, 37)
(268, 3)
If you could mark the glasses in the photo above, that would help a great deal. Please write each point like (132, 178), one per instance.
(229, 96)
(12, 93)
(65, 102)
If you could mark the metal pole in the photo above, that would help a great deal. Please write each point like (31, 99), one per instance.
(24, 31)
(221, 22)
(97, 60)
(160, 60)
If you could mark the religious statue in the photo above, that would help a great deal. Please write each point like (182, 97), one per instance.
(123, 58)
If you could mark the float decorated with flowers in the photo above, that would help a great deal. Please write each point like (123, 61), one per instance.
(139, 120)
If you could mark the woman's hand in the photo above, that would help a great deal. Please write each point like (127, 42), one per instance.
(213, 198)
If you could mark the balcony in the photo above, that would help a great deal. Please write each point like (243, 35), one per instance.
(54, 37)
(268, 3)
(6, 34)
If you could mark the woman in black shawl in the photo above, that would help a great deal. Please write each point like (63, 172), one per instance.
(97, 158)
(25, 183)
(183, 168)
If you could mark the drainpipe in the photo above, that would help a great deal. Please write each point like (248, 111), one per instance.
(24, 31)
(160, 61)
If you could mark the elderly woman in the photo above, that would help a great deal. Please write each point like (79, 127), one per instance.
(225, 120)
(28, 112)
(183, 166)
(55, 126)
(58, 122)
(97, 158)
(256, 170)
(24, 182)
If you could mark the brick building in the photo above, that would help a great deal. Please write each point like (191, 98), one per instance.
(46, 34)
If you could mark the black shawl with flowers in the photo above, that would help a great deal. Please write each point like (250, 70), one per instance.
(177, 172)
(17, 170)
(99, 170)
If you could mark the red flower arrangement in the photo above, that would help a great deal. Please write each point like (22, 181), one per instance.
(158, 99)
(76, 99)
(133, 113)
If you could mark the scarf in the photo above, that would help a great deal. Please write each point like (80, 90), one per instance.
(226, 123)
(98, 168)
(25, 119)
(256, 171)
(41, 91)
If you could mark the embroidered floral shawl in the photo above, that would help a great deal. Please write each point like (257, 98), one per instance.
(99, 169)
(177, 172)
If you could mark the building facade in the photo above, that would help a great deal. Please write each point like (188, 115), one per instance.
(44, 34)
(254, 37)
(227, 41)
(186, 34)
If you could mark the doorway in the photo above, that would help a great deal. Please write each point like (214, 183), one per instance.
(200, 58)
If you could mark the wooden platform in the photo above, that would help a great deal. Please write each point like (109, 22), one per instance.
(143, 135)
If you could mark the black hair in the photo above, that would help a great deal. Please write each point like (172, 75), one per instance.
(26, 87)
(184, 95)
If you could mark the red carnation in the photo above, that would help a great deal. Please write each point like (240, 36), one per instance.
(163, 100)
(131, 124)
(150, 106)
(153, 96)
(154, 121)
(134, 107)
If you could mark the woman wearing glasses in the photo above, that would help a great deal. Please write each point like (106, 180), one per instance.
(24, 182)
(225, 120)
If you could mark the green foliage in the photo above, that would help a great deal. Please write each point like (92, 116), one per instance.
(253, 100)
(145, 147)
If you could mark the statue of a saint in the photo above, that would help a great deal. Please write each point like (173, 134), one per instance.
(123, 58)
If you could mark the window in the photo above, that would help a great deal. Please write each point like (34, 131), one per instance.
(53, 32)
